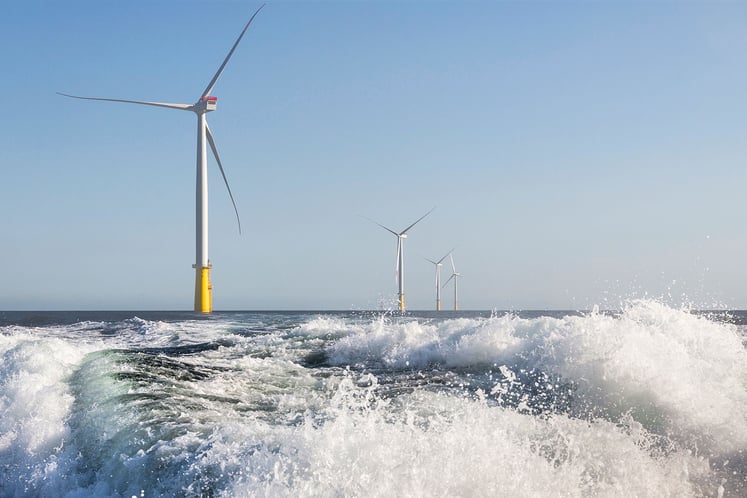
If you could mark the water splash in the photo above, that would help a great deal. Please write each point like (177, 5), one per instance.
(648, 401)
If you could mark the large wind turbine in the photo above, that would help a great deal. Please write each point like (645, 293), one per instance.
(400, 272)
(206, 103)
(438, 264)
(455, 275)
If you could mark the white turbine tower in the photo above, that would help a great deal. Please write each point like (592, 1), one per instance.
(438, 264)
(400, 271)
(455, 275)
(206, 103)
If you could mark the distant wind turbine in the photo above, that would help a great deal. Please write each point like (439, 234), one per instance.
(439, 264)
(206, 103)
(400, 271)
(455, 275)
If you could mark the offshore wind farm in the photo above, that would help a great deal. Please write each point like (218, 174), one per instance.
(382, 125)
(587, 162)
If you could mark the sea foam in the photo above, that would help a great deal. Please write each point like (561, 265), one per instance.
(649, 401)
(679, 374)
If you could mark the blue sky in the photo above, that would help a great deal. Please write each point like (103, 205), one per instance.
(577, 153)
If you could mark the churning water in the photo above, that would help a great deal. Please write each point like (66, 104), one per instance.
(649, 401)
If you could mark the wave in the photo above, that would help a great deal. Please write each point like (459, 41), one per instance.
(679, 374)
(429, 444)
(648, 401)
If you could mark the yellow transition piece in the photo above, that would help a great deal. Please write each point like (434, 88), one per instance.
(203, 290)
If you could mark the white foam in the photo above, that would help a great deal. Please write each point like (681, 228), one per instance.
(35, 402)
(658, 408)
(679, 374)
(435, 445)
(325, 326)
(682, 374)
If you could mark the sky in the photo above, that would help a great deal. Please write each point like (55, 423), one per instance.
(577, 153)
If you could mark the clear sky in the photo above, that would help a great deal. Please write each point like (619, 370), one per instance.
(577, 153)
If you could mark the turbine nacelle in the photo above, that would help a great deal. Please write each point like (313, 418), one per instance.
(205, 104)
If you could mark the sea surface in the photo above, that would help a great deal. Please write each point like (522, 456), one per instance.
(647, 401)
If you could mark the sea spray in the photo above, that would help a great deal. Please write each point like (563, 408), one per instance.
(647, 401)
(431, 444)
(35, 403)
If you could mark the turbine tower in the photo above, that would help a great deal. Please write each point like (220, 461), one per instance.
(400, 271)
(455, 275)
(203, 288)
(438, 264)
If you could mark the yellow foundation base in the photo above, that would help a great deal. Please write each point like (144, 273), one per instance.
(402, 302)
(203, 290)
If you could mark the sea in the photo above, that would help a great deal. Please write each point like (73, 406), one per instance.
(646, 401)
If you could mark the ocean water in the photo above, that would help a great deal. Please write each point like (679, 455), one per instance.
(647, 401)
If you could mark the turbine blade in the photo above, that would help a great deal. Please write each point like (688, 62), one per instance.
(220, 166)
(452, 263)
(434, 262)
(426, 214)
(449, 280)
(382, 226)
(447, 254)
(210, 86)
(185, 107)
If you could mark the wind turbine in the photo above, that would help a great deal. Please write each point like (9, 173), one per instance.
(400, 272)
(455, 275)
(206, 103)
(439, 264)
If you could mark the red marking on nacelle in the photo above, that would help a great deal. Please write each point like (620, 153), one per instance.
(209, 99)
